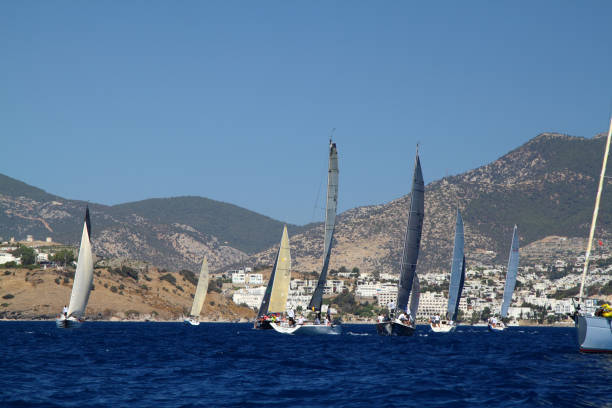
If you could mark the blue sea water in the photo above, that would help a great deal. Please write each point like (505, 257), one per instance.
(172, 365)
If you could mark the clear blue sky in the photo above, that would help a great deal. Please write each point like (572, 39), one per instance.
(119, 101)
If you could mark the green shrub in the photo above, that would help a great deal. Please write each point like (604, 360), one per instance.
(169, 278)
(189, 276)
(8, 296)
(113, 289)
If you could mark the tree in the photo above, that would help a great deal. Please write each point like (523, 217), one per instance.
(63, 257)
(27, 255)
(486, 313)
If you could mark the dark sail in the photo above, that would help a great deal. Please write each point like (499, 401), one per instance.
(88, 222)
(415, 295)
(513, 263)
(457, 271)
(330, 222)
(412, 240)
(265, 302)
(454, 316)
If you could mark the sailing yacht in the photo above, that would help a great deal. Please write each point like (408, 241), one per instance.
(319, 326)
(513, 262)
(456, 283)
(277, 291)
(399, 324)
(200, 295)
(83, 279)
(594, 330)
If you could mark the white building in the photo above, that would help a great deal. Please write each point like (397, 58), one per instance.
(333, 286)
(254, 278)
(42, 257)
(389, 277)
(432, 303)
(6, 257)
(519, 312)
(387, 294)
(367, 289)
(238, 277)
(249, 296)
(564, 306)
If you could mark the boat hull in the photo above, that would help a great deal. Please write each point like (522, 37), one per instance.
(443, 328)
(262, 325)
(67, 323)
(308, 329)
(594, 334)
(394, 329)
(496, 329)
(192, 322)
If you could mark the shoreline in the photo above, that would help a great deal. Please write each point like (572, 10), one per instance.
(229, 321)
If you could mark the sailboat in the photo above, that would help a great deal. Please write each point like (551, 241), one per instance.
(318, 327)
(277, 291)
(456, 282)
(83, 279)
(594, 330)
(399, 324)
(200, 295)
(513, 262)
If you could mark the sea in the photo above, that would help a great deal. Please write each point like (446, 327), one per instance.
(119, 364)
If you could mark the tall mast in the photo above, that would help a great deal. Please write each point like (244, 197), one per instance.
(595, 211)
(330, 222)
(412, 237)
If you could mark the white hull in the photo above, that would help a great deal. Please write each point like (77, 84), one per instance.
(67, 323)
(443, 328)
(594, 334)
(497, 328)
(307, 329)
(192, 322)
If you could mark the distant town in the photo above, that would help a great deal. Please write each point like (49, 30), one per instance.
(543, 292)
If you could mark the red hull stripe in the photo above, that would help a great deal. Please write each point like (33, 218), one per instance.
(583, 350)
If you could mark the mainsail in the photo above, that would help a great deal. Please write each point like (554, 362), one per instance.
(83, 278)
(200, 294)
(330, 222)
(282, 276)
(277, 291)
(513, 262)
(457, 271)
(412, 240)
(415, 295)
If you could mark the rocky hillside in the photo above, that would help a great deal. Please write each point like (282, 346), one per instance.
(546, 187)
(40, 294)
(173, 233)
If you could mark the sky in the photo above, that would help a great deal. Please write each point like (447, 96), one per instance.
(112, 102)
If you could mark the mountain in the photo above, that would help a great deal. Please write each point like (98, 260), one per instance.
(172, 232)
(546, 187)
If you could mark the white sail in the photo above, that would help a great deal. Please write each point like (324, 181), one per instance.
(83, 278)
(200, 294)
(282, 277)
(602, 176)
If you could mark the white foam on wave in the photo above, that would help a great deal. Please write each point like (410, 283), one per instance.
(358, 334)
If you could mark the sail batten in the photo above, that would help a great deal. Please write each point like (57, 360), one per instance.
(202, 287)
(513, 262)
(412, 239)
(330, 223)
(457, 270)
(83, 277)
